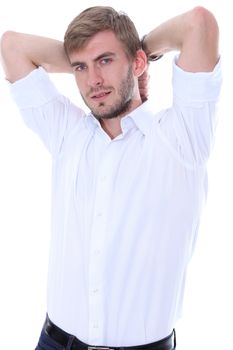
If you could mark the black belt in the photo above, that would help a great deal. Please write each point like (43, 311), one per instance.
(70, 342)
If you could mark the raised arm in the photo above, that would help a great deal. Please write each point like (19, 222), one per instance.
(22, 53)
(194, 33)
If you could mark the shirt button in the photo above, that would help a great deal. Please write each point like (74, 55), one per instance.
(95, 291)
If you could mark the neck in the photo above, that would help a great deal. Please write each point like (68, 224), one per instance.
(112, 126)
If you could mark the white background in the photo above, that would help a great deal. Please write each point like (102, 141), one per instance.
(25, 186)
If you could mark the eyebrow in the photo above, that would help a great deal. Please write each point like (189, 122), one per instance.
(105, 54)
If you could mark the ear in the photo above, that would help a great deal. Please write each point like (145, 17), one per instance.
(140, 63)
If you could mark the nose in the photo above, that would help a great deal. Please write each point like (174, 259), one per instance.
(94, 77)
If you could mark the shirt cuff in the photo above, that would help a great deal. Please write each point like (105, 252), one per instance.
(196, 87)
(34, 90)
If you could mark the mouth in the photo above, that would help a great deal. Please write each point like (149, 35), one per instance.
(100, 95)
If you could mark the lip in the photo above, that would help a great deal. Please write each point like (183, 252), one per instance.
(101, 95)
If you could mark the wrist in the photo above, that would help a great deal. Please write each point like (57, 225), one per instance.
(150, 57)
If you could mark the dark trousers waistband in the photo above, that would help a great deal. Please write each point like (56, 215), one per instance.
(70, 342)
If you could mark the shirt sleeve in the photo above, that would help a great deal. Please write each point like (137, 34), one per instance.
(44, 109)
(189, 125)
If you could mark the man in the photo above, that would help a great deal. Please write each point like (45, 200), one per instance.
(128, 184)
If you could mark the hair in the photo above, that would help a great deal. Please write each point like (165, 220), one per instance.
(99, 18)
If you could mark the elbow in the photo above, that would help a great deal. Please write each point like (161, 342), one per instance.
(7, 38)
(204, 32)
(204, 20)
(7, 43)
(9, 53)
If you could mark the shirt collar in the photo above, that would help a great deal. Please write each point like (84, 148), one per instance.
(141, 117)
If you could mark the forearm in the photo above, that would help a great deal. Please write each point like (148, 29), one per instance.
(167, 36)
(194, 34)
(21, 53)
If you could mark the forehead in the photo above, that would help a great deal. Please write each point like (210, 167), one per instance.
(105, 41)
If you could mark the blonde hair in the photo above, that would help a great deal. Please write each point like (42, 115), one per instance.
(99, 18)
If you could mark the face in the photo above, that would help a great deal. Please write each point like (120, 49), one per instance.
(105, 76)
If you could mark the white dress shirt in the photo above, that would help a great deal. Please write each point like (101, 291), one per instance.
(125, 212)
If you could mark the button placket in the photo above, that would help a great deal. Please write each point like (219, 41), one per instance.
(97, 250)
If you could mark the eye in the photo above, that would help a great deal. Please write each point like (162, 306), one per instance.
(80, 67)
(105, 60)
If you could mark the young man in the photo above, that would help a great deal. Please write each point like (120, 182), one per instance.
(128, 184)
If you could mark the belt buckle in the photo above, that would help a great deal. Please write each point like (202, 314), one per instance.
(99, 348)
